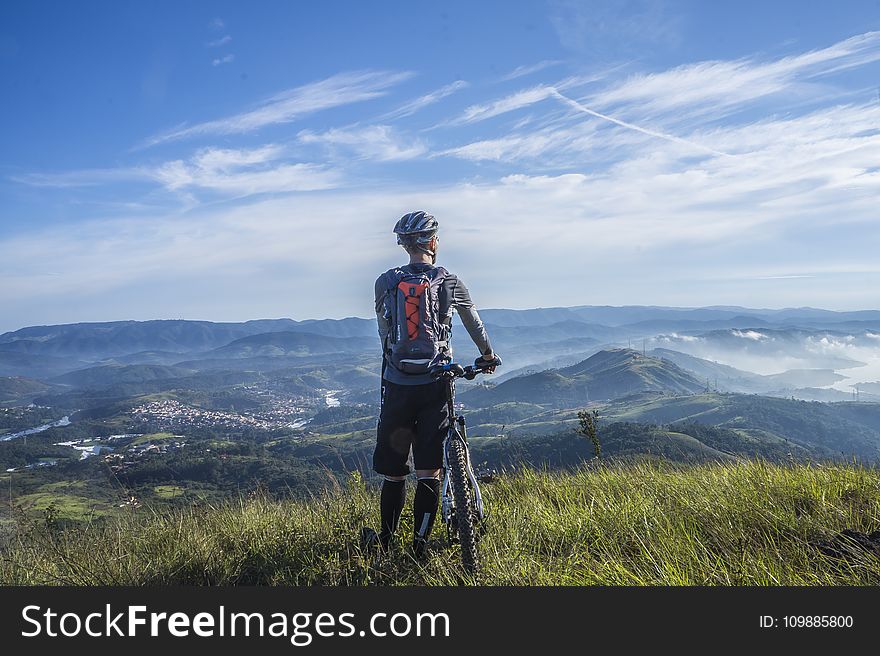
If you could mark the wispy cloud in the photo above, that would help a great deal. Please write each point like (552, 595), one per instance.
(509, 103)
(243, 172)
(522, 71)
(531, 144)
(711, 86)
(225, 171)
(216, 24)
(624, 175)
(630, 126)
(222, 41)
(411, 107)
(341, 89)
(541, 145)
(377, 142)
(226, 59)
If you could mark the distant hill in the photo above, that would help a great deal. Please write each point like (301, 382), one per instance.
(104, 376)
(608, 374)
(18, 388)
(98, 340)
(724, 376)
(95, 341)
(36, 366)
(828, 430)
(528, 340)
(292, 343)
(537, 334)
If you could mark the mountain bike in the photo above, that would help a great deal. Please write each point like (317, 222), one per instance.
(461, 503)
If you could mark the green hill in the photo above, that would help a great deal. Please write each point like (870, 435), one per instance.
(291, 343)
(113, 374)
(18, 388)
(828, 430)
(605, 375)
(639, 524)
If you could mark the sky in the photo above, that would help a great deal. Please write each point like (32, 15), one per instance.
(231, 161)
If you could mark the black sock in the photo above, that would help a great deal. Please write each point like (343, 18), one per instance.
(425, 506)
(391, 505)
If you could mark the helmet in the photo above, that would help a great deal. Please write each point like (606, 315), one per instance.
(415, 228)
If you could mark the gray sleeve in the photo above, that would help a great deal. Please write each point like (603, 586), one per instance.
(461, 301)
(382, 320)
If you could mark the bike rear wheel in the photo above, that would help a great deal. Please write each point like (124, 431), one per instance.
(465, 507)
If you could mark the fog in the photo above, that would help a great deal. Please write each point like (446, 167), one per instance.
(854, 356)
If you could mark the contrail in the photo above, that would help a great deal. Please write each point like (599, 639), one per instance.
(586, 110)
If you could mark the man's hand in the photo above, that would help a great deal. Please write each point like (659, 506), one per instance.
(483, 362)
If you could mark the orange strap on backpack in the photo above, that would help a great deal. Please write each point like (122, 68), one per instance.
(414, 295)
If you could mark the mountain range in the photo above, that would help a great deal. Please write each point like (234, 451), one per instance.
(202, 410)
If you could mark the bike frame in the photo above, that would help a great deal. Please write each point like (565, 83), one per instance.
(457, 431)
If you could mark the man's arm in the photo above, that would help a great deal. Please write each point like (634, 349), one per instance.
(461, 301)
(384, 324)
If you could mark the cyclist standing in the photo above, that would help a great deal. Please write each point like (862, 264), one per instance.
(414, 308)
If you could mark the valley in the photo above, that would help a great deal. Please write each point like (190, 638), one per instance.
(97, 419)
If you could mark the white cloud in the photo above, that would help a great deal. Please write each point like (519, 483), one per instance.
(675, 337)
(522, 71)
(711, 86)
(411, 107)
(616, 238)
(216, 24)
(226, 59)
(537, 94)
(238, 172)
(243, 172)
(509, 103)
(377, 142)
(753, 335)
(517, 147)
(222, 41)
(341, 89)
(628, 210)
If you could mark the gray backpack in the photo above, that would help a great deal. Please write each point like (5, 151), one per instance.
(419, 335)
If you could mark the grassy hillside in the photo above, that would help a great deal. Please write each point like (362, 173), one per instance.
(639, 524)
(608, 374)
(18, 388)
(838, 430)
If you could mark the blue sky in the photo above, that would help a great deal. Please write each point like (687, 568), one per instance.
(230, 161)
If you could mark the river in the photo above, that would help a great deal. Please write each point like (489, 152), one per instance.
(64, 421)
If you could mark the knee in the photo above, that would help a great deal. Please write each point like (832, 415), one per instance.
(428, 473)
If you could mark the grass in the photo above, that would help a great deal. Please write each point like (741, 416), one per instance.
(62, 506)
(749, 523)
(168, 491)
(152, 437)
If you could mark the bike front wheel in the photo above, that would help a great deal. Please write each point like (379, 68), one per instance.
(465, 506)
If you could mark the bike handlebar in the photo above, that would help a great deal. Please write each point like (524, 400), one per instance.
(455, 370)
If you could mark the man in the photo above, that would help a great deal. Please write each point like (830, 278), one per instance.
(414, 308)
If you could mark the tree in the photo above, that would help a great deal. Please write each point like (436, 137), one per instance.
(589, 427)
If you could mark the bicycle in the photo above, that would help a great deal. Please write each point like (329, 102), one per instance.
(461, 503)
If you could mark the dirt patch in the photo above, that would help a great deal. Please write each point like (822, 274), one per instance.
(850, 544)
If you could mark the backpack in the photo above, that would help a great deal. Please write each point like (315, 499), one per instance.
(420, 327)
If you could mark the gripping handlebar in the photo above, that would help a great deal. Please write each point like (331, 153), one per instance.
(455, 370)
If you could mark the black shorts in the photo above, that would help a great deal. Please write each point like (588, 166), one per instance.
(412, 416)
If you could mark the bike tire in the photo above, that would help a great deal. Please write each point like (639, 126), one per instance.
(465, 508)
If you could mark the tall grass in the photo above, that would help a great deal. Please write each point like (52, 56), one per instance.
(748, 523)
